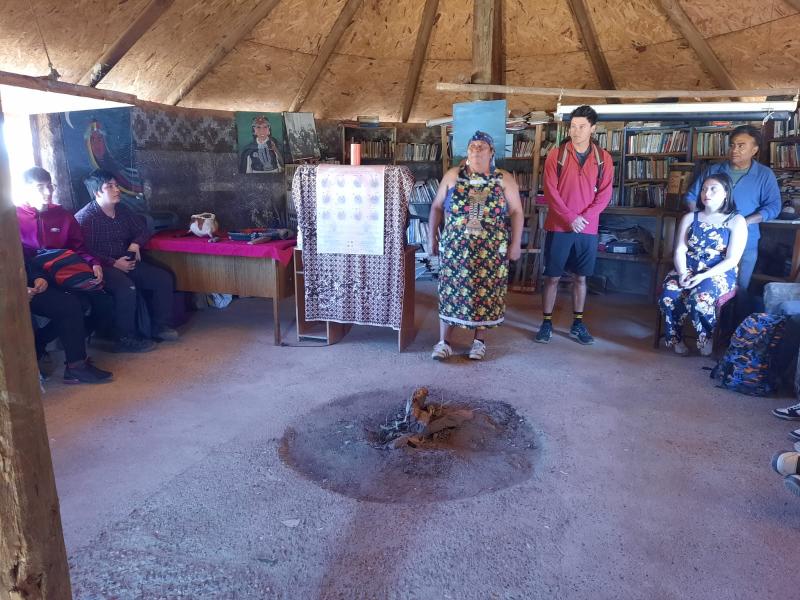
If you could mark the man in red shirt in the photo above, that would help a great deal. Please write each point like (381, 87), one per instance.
(578, 179)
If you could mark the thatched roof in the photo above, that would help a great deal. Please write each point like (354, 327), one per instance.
(256, 63)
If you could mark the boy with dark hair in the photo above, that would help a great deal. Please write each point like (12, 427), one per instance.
(115, 235)
(577, 187)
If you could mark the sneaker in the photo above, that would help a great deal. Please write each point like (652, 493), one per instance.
(545, 333)
(786, 463)
(167, 334)
(131, 344)
(797, 446)
(100, 373)
(790, 413)
(705, 349)
(795, 436)
(85, 374)
(680, 349)
(441, 351)
(478, 350)
(792, 483)
(579, 333)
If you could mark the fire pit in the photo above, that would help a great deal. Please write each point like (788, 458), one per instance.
(427, 446)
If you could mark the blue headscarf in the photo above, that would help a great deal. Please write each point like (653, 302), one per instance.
(482, 136)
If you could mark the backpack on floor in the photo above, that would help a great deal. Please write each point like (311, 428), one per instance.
(751, 365)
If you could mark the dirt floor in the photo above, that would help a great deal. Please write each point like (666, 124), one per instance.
(646, 481)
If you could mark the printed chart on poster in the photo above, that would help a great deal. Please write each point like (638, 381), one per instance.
(350, 211)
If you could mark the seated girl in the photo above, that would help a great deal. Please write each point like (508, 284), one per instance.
(709, 244)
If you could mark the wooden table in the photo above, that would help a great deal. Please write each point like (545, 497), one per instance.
(259, 276)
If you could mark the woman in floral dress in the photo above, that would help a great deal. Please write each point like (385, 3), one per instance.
(710, 243)
(477, 202)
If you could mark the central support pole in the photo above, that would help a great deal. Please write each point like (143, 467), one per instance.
(488, 56)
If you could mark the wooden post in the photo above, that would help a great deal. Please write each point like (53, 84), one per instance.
(33, 559)
(429, 14)
(487, 45)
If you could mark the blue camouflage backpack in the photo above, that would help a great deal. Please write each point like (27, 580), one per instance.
(752, 363)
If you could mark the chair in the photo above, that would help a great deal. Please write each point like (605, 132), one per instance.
(724, 309)
(422, 211)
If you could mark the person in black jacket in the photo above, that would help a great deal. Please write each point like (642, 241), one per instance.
(65, 312)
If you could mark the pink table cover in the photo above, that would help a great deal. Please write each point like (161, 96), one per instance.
(170, 241)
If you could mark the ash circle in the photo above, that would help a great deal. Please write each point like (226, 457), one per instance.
(336, 446)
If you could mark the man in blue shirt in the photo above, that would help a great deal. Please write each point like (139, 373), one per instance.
(756, 193)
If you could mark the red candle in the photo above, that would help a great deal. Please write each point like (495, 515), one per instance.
(355, 154)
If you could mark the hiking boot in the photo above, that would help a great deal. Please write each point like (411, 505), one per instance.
(441, 351)
(478, 350)
(132, 344)
(795, 436)
(580, 334)
(85, 373)
(545, 333)
(786, 463)
(167, 334)
(792, 483)
(790, 413)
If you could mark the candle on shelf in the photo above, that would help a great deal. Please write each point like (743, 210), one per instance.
(355, 154)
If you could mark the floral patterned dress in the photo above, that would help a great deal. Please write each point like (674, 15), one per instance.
(707, 245)
(473, 273)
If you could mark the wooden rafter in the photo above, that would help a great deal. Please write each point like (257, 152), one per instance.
(46, 84)
(487, 44)
(583, 93)
(710, 62)
(228, 42)
(125, 42)
(583, 21)
(429, 14)
(329, 45)
(32, 553)
(795, 4)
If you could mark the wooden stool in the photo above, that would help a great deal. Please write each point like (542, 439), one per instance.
(722, 314)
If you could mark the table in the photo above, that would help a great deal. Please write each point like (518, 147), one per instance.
(228, 267)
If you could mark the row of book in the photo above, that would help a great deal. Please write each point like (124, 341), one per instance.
(641, 195)
(383, 149)
(524, 180)
(610, 140)
(644, 168)
(711, 144)
(417, 152)
(784, 156)
(424, 192)
(522, 148)
(790, 128)
(658, 142)
(790, 187)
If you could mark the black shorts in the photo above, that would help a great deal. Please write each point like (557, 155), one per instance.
(569, 251)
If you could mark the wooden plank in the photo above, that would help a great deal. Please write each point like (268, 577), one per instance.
(407, 332)
(486, 44)
(583, 21)
(329, 45)
(32, 552)
(60, 87)
(710, 62)
(125, 42)
(429, 14)
(584, 93)
(221, 49)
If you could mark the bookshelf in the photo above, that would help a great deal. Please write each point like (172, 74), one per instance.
(648, 153)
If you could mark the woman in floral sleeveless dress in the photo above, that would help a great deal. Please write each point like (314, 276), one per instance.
(477, 202)
(710, 243)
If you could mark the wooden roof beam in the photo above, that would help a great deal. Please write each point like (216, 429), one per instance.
(584, 93)
(709, 60)
(125, 42)
(795, 4)
(329, 45)
(487, 45)
(228, 42)
(583, 21)
(429, 14)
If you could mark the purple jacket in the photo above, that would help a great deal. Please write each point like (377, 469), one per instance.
(54, 229)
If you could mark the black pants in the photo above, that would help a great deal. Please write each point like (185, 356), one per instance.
(66, 322)
(146, 277)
